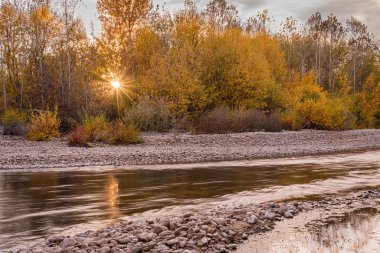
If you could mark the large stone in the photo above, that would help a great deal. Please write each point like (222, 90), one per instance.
(269, 216)
(102, 242)
(204, 241)
(172, 242)
(182, 242)
(54, 240)
(146, 237)
(105, 249)
(68, 242)
(158, 229)
(162, 248)
(252, 219)
(289, 215)
(179, 230)
(136, 249)
(220, 221)
(232, 246)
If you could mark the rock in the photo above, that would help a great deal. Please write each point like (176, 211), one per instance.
(116, 250)
(105, 249)
(182, 243)
(244, 236)
(252, 219)
(68, 242)
(150, 221)
(187, 215)
(103, 235)
(136, 249)
(54, 240)
(238, 225)
(205, 228)
(220, 221)
(162, 248)
(187, 251)
(178, 231)
(124, 240)
(80, 251)
(282, 210)
(102, 242)
(204, 241)
(269, 216)
(146, 237)
(165, 223)
(232, 246)
(166, 233)
(158, 229)
(289, 215)
(172, 242)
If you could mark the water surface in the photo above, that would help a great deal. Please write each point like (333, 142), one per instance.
(34, 204)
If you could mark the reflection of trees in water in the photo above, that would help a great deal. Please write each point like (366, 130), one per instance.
(349, 232)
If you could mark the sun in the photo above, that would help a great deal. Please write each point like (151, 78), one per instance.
(115, 84)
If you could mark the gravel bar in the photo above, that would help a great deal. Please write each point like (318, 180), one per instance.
(181, 148)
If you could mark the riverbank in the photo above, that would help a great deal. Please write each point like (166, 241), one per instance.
(172, 148)
(224, 229)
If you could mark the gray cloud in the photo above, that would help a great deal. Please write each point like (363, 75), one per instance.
(367, 11)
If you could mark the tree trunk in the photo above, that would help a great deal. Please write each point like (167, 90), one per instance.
(68, 77)
(3, 81)
(354, 73)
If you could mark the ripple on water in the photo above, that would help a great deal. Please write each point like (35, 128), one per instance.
(36, 204)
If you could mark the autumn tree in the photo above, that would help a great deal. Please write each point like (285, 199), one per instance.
(120, 19)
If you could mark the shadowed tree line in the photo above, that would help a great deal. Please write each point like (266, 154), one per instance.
(177, 68)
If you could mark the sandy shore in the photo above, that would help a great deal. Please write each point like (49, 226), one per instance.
(169, 148)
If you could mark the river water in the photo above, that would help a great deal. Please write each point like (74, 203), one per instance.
(34, 204)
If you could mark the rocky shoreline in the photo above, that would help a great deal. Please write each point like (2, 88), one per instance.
(220, 230)
(181, 148)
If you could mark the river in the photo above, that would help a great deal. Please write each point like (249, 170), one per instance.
(34, 204)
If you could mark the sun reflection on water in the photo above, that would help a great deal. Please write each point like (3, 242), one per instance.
(112, 195)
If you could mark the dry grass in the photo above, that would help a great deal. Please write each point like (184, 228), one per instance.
(121, 134)
(223, 120)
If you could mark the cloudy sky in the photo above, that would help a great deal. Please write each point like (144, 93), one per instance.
(366, 10)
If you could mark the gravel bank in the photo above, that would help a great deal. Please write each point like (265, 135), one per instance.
(169, 148)
(220, 230)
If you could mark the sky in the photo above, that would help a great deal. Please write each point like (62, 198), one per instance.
(367, 11)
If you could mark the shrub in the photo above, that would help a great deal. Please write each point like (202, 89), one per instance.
(149, 115)
(14, 122)
(272, 123)
(43, 125)
(341, 118)
(79, 137)
(122, 134)
(223, 120)
(314, 114)
(217, 121)
(290, 120)
(96, 127)
(247, 120)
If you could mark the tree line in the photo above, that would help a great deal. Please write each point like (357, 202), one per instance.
(323, 73)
